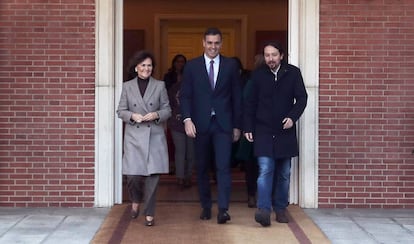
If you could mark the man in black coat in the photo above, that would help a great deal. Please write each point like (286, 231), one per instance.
(276, 101)
(210, 103)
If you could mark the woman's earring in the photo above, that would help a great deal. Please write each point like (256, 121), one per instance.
(136, 69)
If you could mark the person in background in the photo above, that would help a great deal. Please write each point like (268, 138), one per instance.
(173, 75)
(244, 77)
(144, 108)
(245, 148)
(276, 101)
(210, 103)
(183, 145)
(244, 73)
(258, 61)
(175, 72)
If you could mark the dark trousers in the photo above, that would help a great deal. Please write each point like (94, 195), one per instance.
(143, 187)
(251, 173)
(221, 143)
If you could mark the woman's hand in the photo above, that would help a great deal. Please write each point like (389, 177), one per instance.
(137, 117)
(150, 116)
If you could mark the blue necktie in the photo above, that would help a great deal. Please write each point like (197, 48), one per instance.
(211, 74)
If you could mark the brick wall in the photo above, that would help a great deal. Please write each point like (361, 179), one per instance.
(47, 57)
(366, 104)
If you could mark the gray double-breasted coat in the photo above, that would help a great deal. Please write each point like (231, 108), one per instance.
(145, 144)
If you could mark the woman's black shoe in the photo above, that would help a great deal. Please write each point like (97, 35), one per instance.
(149, 222)
(134, 213)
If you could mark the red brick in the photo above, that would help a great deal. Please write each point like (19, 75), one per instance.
(358, 81)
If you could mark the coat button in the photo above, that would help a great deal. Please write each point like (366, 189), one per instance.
(150, 104)
(135, 105)
(137, 126)
(148, 125)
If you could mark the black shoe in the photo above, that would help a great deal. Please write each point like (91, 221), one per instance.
(251, 202)
(149, 222)
(281, 216)
(205, 214)
(222, 217)
(262, 217)
(134, 213)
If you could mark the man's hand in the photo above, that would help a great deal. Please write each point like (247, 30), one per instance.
(287, 123)
(190, 129)
(236, 134)
(249, 136)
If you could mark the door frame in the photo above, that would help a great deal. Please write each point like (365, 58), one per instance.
(303, 43)
(159, 18)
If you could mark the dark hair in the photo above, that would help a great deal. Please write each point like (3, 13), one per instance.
(140, 56)
(276, 45)
(137, 58)
(212, 31)
(172, 68)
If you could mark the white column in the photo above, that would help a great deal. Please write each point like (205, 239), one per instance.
(304, 52)
(104, 103)
(119, 47)
(293, 39)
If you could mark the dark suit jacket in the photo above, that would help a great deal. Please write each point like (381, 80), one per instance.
(268, 103)
(197, 99)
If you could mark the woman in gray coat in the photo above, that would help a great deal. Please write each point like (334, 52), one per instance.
(144, 107)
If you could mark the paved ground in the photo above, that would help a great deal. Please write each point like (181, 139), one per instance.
(50, 225)
(365, 225)
(73, 225)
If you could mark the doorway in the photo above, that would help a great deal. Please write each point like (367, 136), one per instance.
(303, 52)
(186, 41)
(181, 33)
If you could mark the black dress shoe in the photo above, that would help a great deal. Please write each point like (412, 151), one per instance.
(262, 217)
(223, 217)
(205, 214)
(281, 216)
(251, 202)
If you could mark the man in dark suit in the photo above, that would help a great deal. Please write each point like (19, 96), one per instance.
(210, 101)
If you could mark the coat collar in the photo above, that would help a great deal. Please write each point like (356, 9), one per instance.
(143, 101)
(283, 70)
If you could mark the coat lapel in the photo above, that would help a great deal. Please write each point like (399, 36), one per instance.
(149, 91)
(202, 66)
(135, 90)
(139, 99)
(149, 97)
(282, 71)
